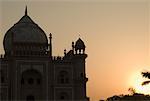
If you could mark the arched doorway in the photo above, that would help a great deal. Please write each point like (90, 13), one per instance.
(64, 96)
(31, 81)
(30, 98)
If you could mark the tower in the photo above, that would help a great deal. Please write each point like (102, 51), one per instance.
(29, 71)
(79, 63)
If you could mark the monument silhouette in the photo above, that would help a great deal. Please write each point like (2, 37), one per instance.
(29, 72)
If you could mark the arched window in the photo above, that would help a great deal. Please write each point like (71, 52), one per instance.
(2, 79)
(22, 81)
(63, 77)
(31, 77)
(38, 81)
(31, 81)
(63, 96)
(30, 98)
(2, 76)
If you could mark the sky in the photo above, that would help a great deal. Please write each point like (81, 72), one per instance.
(116, 34)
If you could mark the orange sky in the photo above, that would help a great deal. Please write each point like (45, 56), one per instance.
(116, 33)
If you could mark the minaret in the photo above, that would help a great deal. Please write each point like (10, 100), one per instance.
(50, 45)
(79, 62)
(73, 47)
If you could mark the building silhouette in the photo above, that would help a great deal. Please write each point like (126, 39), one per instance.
(29, 72)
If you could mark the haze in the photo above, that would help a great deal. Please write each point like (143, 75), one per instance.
(116, 34)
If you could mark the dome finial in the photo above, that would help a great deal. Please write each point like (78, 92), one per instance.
(26, 11)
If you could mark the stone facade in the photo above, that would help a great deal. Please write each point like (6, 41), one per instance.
(29, 71)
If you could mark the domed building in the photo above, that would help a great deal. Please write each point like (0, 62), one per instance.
(29, 72)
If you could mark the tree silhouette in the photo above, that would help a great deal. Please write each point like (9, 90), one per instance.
(132, 90)
(146, 75)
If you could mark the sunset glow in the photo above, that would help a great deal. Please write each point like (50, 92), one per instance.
(136, 83)
(116, 34)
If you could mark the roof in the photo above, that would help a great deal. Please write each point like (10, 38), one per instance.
(24, 31)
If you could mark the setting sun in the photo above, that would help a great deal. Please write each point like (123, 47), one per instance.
(116, 34)
(136, 81)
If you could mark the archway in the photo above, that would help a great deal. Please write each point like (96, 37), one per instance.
(64, 96)
(31, 81)
(30, 98)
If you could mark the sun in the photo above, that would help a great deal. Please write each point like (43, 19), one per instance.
(136, 81)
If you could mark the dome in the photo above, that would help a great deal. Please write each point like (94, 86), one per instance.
(79, 44)
(24, 31)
